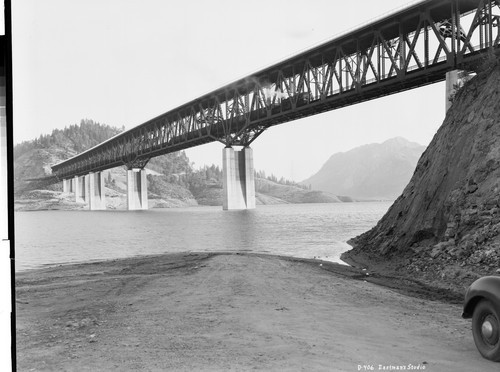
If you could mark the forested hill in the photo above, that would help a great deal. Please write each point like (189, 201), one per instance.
(33, 159)
(172, 179)
(75, 138)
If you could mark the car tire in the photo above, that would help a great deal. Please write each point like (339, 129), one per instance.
(486, 330)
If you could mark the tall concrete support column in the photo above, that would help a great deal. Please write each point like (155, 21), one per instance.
(451, 80)
(86, 188)
(249, 177)
(67, 185)
(137, 189)
(96, 191)
(81, 189)
(238, 179)
(77, 184)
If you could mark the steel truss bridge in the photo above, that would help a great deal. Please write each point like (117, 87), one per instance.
(410, 48)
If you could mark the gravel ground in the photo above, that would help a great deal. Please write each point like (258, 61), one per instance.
(235, 311)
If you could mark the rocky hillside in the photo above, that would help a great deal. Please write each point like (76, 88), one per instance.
(445, 227)
(374, 171)
(292, 193)
(32, 159)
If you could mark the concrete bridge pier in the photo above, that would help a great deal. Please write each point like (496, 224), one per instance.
(67, 185)
(81, 189)
(451, 80)
(137, 189)
(96, 195)
(238, 179)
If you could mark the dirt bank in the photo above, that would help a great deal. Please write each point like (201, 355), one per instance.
(444, 229)
(231, 311)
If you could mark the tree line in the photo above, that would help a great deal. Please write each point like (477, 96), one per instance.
(77, 137)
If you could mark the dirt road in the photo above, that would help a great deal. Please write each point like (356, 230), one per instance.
(222, 312)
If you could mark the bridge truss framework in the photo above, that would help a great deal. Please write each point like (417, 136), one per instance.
(413, 47)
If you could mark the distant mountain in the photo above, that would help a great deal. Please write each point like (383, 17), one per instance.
(374, 171)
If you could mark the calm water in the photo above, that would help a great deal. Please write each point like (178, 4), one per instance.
(300, 230)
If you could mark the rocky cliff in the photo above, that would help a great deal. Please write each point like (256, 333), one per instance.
(445, 227)
(373, 171)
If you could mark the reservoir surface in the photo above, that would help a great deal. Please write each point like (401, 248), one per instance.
(299, 230)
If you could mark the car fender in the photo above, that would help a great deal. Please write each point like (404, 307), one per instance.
(487, 287)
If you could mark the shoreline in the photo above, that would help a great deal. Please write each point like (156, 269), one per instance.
(396, 268)
(49, 200)
(138, 257)
(350, 268)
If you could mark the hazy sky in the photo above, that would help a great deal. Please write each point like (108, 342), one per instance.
(122, 62)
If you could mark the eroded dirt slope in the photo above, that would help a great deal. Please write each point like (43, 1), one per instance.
(445, 227)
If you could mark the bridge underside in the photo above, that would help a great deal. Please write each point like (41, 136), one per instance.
(413, 47)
